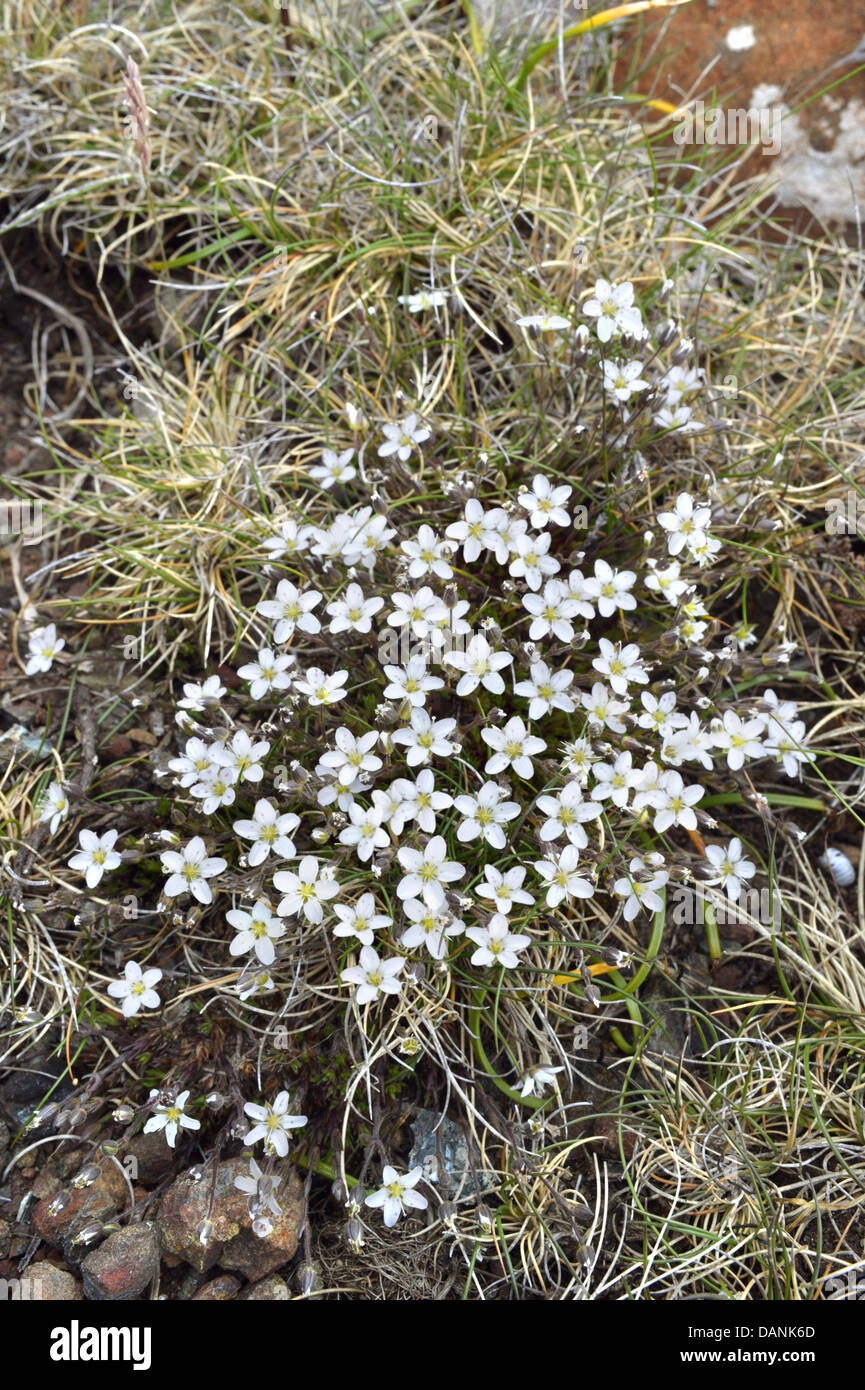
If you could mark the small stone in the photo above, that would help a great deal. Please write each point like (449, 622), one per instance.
(153, 1158)
(230, 1241)
(99, 1202)
(270, 1290)
(220, 1290)
(45, 1283)
(123, 1266)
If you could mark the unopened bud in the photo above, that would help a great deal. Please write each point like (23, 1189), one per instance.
(92, 1231)
(308, 1279)
(88, 1175)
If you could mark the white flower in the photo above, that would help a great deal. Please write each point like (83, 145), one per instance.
(373, 976)
(253, 979)
(677, 420)
(44, 644)
(360, 919)
(430, 927)
(732, 869)
(552, 611)
(261, 1189)
(613, 307)
(785, 744)
(411, 682)
(198, 698)
(197, 761)
(660, 715)
(545, 502)
(688, 743)
(680, 381)
(353, 612)
(96, 855)
(471, 531)
(242, 756)
(136, 989)
(403, 437)
(426, 738)
(497, 944)
(547, 323)
(531, 561)
(480, 666)
(738, 739)
(566, 814)
(397, 1194)
(537, 1079)
(269, 832)
(428, 555)
(422, 611)
(501, 533)
(266, 673)
(170, 1118)
(640, 894)
(485, 814)
(504, 889)
(562, 878)
(352, 756)
(615, 781)
(546, 690)
(674, 802)
(577, 758)
(667, 582)
(216, 788)
(273, 1124)
(687, 525)
(609, 589)
(189, 870)
(321, 689)
(513, 746)
(422, 299)
(256, 931)
(426, 871)
(622, 379)
(603, 709)
(54, 807)
(292, 608)
(365, 833)
(579, 594)
(620, 665)
(418, 801)
(334, 468)
(290, 538)
(306, 890)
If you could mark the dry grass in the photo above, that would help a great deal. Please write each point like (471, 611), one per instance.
(706, 1140)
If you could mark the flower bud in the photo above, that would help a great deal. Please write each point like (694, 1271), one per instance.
(308, 1279)
(88, 1175)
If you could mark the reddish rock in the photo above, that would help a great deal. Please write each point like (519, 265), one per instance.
(45, 1283)
(153, 1158)
(231, 1243)
(123, 1266)
(218, 1290)
(45, 1184)
(98, 1202)
(771, 56)
(270, 1290)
